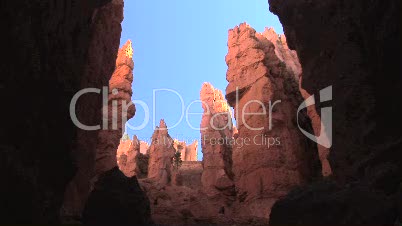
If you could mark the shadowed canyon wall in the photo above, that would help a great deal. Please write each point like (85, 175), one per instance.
(62, 47)
(55, 47)
(355, 47)
(114, 193)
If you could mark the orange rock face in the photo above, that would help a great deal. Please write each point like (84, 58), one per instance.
(161, 153)
(188, 152)
(270, 155)
(283, 52)
(127, 156)
(291, 60)
(180, 146)
(191, 151)
(144, 147)
(216, 133)
(118, 110)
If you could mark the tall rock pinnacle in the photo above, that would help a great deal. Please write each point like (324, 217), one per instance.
(216, 134)
(118, 110)
(270, 155)
(161, 153)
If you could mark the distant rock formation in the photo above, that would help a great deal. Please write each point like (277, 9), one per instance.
(144, 147)
(188, 152)
(216, 134)
(270, 155)
(180, 146)
(161, 153)
(127, 156)
(189, 175)
(191, 151)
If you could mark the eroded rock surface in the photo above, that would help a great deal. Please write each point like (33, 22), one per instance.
(270, 156)
(128, 156)
(188, 152)
(289, 57)
(144, 147)
(191, 151)
(161, 153)
(188, 205)
(118, 110)
(216, 133)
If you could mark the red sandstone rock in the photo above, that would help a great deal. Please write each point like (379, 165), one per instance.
(180, 146)
(188, 152)
(289, 57)
(127, 156)
(120, 102)
(191, 151)
(278, 156)
(216, 132)
(161, 153)
(283, 52)
(144, 147)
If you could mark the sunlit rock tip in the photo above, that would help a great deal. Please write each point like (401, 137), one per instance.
(125, 55)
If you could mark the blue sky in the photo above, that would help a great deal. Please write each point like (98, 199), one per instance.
(179, 45)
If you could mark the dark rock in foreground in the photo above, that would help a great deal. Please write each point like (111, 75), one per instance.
(117, 200)
(325, 203)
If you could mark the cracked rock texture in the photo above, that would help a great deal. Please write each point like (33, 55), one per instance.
(289, 57)
(161, 154)
(216, 132)
(271, 156)
(128, 156)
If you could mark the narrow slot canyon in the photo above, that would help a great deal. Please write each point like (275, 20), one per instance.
(297, 131)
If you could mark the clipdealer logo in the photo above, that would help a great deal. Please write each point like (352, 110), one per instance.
(325, 137)
(240, 142)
